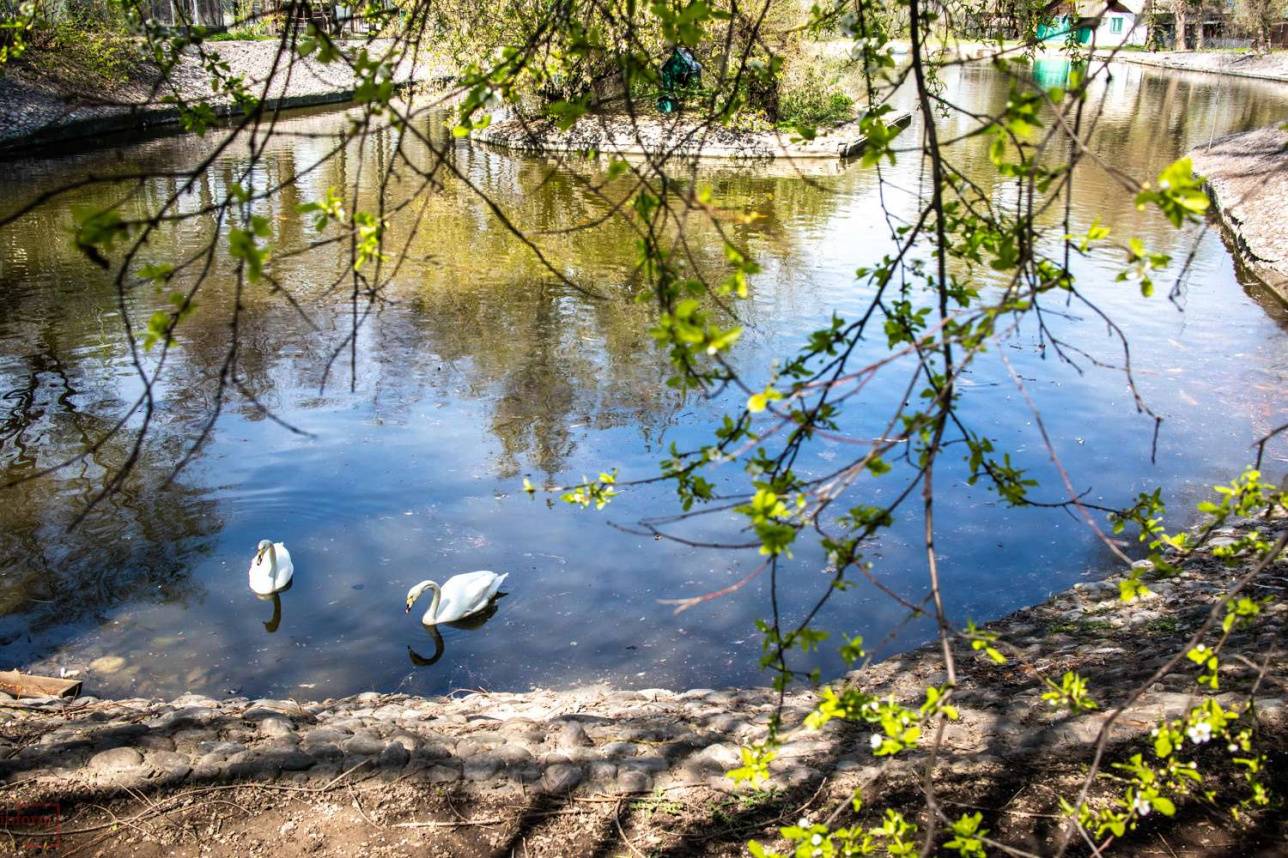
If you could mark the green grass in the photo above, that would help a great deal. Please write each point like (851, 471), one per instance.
(241, 36)
(1080, 627)
(728, 809)
(1163, 625)
(657, 803)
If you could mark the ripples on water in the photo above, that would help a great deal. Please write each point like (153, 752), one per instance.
(483, 369)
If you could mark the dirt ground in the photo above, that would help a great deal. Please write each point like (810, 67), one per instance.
(377, 815)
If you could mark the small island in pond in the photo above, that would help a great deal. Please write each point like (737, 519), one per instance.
(674, 136)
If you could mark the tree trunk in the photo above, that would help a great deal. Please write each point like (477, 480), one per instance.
(1178, 18)
(1151, 26)
(1198, 27)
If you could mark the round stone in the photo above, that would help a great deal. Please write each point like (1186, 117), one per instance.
(292, 760)
(364, 744)
(107, 664)
(633, 780)
(650, 763)
(156, 743)
(324, 735)
(116, 760)
(722, 755)
(168, 767)
(442, 774)
(322, 751)
(561, 778)
(394, 756)
(614, 750)
(573, 735)
(513, 755)
(275, 727)
(481, 768)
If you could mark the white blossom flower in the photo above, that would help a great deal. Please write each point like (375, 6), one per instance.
(1232, 747)
(803, 822)
(876, 741)
(816, 840)
(1141, 805)
(1199, 733)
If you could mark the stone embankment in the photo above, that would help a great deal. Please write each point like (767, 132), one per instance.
(37, 108)
(1247, 176)
(505, 757)
(1272, 66)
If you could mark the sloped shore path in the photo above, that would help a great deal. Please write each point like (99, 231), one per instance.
(1247, 176)
(38, 108)
(1271, 66)
(598, 771)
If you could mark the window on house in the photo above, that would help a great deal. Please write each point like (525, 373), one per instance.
(1116, 24)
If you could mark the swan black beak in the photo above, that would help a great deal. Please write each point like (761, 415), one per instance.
(407, 610)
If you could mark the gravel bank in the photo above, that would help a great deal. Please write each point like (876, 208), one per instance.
(500, 756)
(36, 109)
(1247, 176)
(673, 138)
(1272, 66)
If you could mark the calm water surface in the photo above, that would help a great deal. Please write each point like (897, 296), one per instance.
(480, 369)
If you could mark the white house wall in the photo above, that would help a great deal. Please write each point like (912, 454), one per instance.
(1132, 32)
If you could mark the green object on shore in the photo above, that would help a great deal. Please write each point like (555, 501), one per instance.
(1059, 28)
(680, 71)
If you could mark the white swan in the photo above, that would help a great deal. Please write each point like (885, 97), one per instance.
(271, 570)
(460, 596)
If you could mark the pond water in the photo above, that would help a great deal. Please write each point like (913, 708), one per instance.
(481, 369)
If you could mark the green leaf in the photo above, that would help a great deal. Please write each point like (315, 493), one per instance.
(566, 113)
(157, 272)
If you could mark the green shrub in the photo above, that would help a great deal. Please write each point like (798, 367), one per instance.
(93, 53)
(813, 101)
(89, 45)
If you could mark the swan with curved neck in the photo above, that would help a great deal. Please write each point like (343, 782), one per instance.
(459, 596)
(271, 570)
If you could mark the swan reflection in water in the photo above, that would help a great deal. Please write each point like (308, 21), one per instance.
(473, 621)
(273, 622)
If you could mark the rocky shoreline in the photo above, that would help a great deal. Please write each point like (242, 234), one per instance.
(1247, 177)
(37, 109)
(504, 750)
